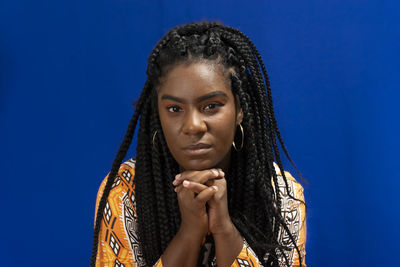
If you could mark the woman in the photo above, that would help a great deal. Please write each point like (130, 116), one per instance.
(202, 188)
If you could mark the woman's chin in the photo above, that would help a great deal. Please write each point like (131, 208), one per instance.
(197, 165)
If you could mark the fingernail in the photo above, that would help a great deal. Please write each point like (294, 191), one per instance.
(186, 183)
(175, 182)
(215, 188)
(221, 172)
(215, 172)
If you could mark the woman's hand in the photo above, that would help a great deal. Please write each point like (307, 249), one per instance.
(198, 181)
(192, 206)
(184, 248)
(228, 240)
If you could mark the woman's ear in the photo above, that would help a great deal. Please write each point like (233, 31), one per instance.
(239, 116)
(239, 111)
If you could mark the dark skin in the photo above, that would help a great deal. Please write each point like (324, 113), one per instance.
(199, 116)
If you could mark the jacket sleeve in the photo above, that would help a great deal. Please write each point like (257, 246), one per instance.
(118, 241)
(294, 213)
(246, 257)
(300, 213)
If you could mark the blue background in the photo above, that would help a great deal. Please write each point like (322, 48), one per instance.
(69, 71)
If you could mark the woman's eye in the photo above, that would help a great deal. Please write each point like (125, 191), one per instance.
(212, 106)
(173, 109)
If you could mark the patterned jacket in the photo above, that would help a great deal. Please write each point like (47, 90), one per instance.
(118, 241)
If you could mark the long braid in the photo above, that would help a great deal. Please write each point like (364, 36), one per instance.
(171, 169)
(236, 86)
(272, 125)
(269, 102)
(114, 170)
(160, 185)
(163, 184)
(256, 84)
(173, 208)
(273, 128)
(145, 189)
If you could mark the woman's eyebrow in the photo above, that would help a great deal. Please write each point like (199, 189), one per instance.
(199, 99)
(173, 98)
(210, 95)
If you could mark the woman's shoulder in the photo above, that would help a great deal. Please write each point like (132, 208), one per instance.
(293, 185)
(123, 181)
(117, 237)
(126, 171)
(129, 164)
(293, 210)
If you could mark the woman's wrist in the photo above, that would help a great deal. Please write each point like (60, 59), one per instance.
(190, 234)
(225, 227)
(226, 230)
(228, 244)
(183, 250)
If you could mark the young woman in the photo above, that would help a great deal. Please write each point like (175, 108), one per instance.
(204, 188)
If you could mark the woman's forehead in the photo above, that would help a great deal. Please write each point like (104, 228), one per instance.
(200, 76)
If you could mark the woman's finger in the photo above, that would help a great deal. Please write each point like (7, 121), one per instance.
(206, 195)
(198, 176)
(178, 188)
(193, 186)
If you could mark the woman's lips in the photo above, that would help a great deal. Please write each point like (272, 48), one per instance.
(197, 149)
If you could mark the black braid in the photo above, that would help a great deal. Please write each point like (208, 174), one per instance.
(114, 170)
(254, 206)
(256, 84)
(272, 125)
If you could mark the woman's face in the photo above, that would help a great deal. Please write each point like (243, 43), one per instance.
(198, 115)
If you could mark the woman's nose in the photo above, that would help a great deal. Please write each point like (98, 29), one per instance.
(194, 123)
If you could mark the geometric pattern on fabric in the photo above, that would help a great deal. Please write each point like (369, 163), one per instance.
(131, 229)
(293, 213)
(114, 248)
(243, 263)
(114, 245)
(118, 263)
(118, 240)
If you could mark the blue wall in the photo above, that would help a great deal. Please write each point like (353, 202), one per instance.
(69, 71)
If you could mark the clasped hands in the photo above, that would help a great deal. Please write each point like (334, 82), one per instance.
(202, 198)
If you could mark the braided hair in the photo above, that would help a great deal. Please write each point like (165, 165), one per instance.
(255, 209)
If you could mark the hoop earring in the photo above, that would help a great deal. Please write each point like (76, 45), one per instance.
(154, 138)
(241, 145)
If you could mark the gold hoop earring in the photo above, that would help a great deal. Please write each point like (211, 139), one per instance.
(154, 137)
(241, 145)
